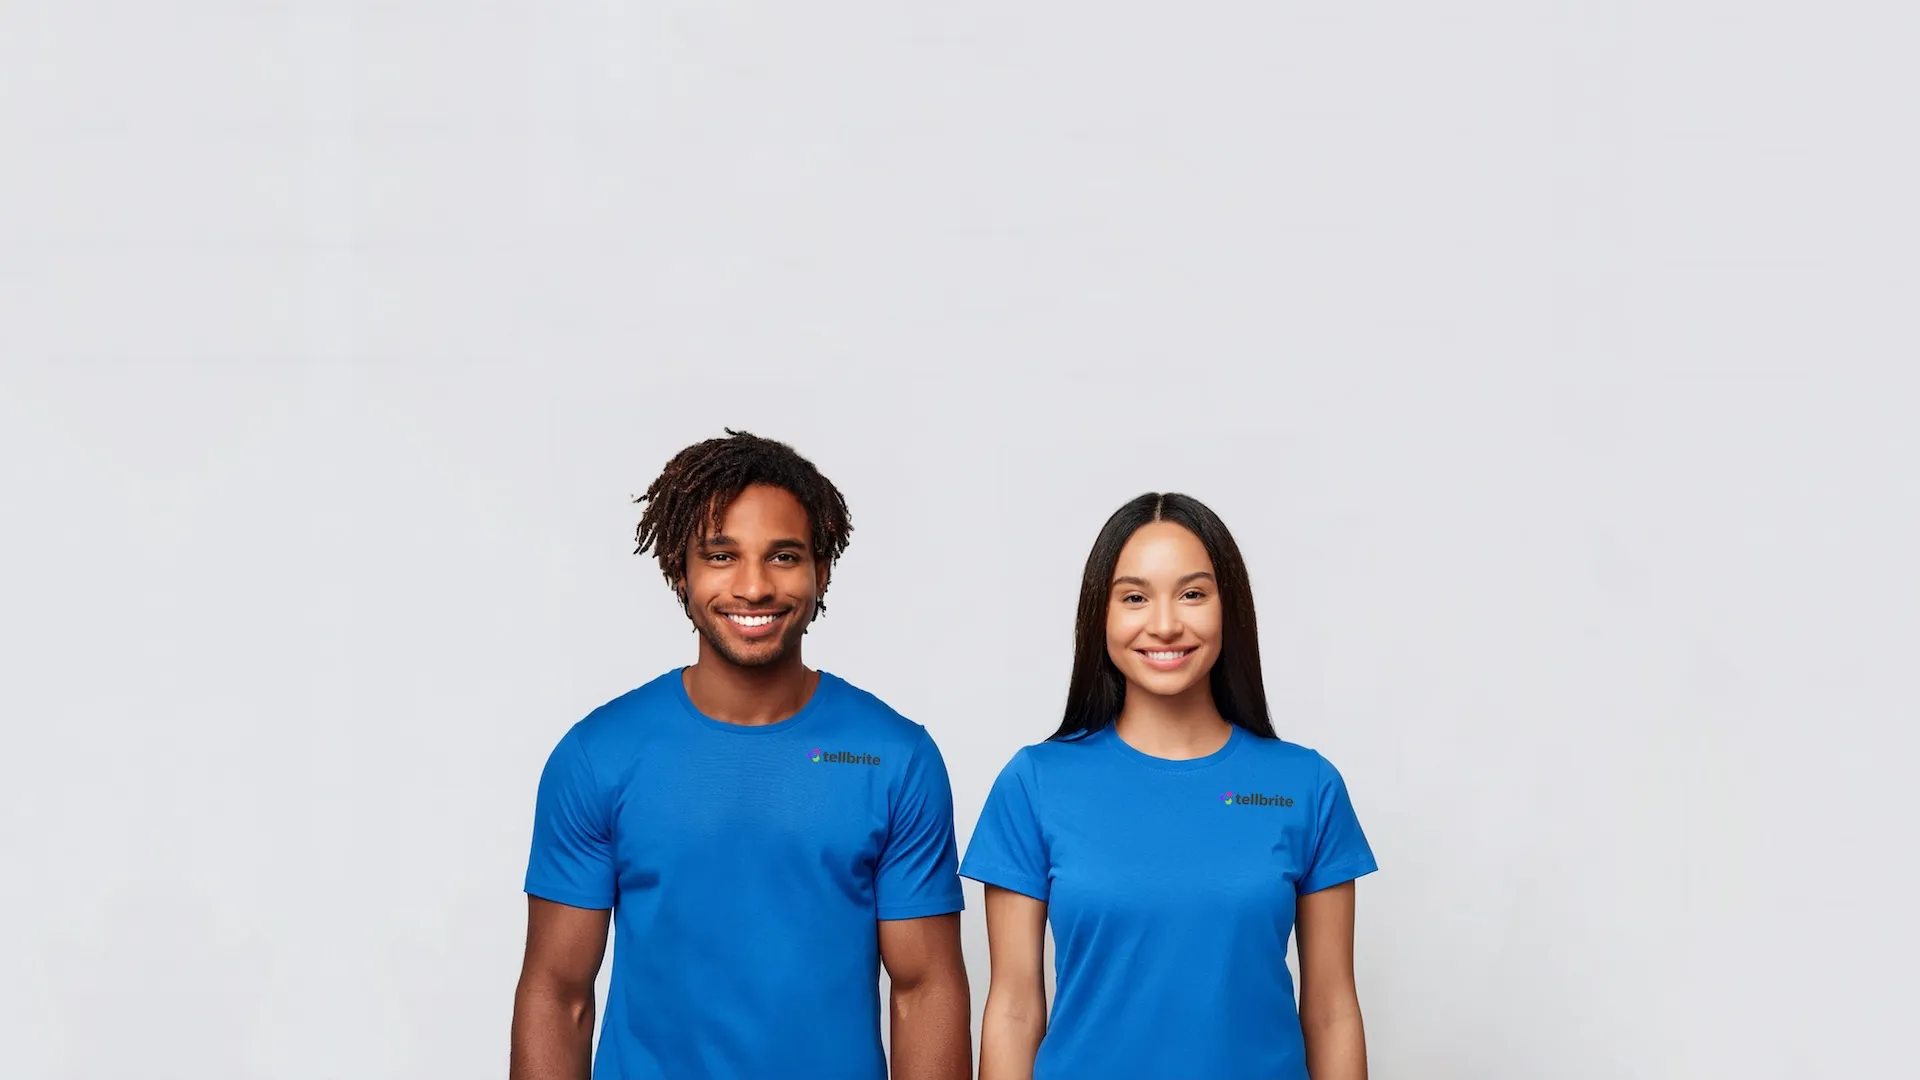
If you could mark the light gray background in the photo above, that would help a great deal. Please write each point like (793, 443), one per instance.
(1553, 363)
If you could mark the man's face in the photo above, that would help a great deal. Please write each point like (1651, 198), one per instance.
(752, 586)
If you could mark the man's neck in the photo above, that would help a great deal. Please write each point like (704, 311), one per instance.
(748, 696)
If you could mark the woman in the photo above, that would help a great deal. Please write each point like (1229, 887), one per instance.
(1173, 841)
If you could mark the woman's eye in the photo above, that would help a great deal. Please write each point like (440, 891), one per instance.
(1194, 594)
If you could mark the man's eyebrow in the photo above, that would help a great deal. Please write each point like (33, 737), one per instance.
(785, 543)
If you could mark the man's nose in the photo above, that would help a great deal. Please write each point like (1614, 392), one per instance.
(753, 583)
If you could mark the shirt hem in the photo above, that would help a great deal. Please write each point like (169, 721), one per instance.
(567, 897)
(1338, 875)
(1002, 879)
(896, 912)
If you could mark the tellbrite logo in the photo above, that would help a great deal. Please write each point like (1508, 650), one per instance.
(841, 757)
(1230, 799)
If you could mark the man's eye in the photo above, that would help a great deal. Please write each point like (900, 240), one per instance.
(786, 557)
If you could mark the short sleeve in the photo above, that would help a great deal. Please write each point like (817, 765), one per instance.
(572, 858)
(917, 874)
(1340, 852)
(1007, 849)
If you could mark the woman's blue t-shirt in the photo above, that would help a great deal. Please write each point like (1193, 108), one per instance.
(1170, 887)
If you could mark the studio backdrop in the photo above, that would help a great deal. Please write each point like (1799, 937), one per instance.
(1562, 410)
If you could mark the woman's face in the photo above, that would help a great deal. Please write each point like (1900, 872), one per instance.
(1163, 611)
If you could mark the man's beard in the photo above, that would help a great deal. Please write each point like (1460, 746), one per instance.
(756, 654)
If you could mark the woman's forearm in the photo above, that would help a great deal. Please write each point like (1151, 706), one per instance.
(1336, 1046)
(1010, 1039)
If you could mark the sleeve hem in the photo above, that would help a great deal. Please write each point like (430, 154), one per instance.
(1338, 874)
(924, 909)
(1007, 879)
(568, 897)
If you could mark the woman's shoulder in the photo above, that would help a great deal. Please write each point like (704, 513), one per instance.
(1297, 759)
(1281, 749)
(1054, 752)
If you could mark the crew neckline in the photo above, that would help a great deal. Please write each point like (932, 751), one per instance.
(822, 689)
(1235, 736)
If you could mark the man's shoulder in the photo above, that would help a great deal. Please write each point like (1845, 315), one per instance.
(866, 710)
(630, 714)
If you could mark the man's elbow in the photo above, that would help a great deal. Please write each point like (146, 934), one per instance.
(929, 982)
(558, 998)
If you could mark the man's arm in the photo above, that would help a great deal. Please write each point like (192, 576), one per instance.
(1016, 1015)
(930, 1005)
(553, 1008)
(1329, 1003)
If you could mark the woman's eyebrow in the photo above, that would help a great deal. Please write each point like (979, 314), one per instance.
(1142, 583)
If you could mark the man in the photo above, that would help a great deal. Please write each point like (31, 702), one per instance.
(746, 822)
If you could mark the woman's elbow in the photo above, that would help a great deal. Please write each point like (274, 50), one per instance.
(1014, 1010)
(1329, 1011)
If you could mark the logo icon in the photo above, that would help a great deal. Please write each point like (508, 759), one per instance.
(1227, 799)
(815, 755)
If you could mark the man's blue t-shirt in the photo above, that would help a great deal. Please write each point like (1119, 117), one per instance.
(745, 866)
(1170, 886)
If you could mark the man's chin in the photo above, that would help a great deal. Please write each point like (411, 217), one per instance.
(756, 659)
(748, 656)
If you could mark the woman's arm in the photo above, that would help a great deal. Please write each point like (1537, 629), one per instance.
(1329, 1002)
(1015, 1017)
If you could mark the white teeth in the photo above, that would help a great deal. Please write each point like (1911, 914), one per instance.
(1166, 655)
(752, 620)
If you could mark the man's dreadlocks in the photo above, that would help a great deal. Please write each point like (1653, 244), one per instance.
(698, 485)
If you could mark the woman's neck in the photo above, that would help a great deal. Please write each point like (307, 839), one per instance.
(1178, 728)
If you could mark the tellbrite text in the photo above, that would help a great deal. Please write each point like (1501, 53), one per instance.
(841, 757)
(1230, 799)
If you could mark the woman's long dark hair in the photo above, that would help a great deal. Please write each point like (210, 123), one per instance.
(1097, 690)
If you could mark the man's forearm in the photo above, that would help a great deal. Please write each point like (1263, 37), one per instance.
(931, 1036)
(1336, 1047)
(552, 1035)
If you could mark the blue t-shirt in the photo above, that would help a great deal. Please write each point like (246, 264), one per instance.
(745, 867)
(1170, 886)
